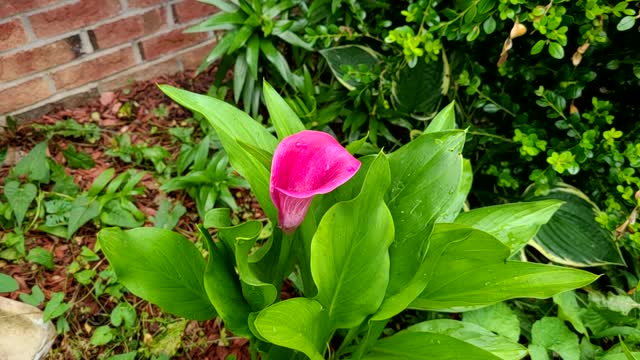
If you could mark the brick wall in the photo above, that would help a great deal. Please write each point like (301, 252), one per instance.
(52, 50)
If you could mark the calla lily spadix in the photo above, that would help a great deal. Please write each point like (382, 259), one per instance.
(306, 164)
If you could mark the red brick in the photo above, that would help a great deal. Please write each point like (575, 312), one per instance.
(94, 69)
(23, 94)
(169, 42)
(118, 32)
(139, 73)
(44, 57)
(12, 35)
(188, 10)
(12, 7)
(136, 4)
(75, 15)
(192, 59)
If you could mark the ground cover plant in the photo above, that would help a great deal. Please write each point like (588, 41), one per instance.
(544, 94)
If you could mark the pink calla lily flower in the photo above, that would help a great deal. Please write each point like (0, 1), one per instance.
(304, 165)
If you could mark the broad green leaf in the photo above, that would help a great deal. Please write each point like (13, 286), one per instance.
(226, 6)
(242, 239)
(622, 304)
(35, 298)
(233, 125)
(569, 310)
(425, 175)
(537, 48)
(418, 89)
(299, 323)
(627, 353)
(83, 209)
(35, 166)
(552, 334)
(416, 345)
(456, 205)
(572, 236)
(284, 119)
(342, 58)
(294, 40)
(161, 267)
(125, 314)
(223, 288)
(505, 348)
(513, 224)
(349, 251)
(8, 283)
(20, 198)
(78, 159)
(41, 256)
(102, 335)
(498, 318)
(55, 307)
(620, 356)
(469, 268)
(445, 120)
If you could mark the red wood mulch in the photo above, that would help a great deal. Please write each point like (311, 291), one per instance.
(200, 340)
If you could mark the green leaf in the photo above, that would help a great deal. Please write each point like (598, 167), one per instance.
(35, 166)
(239, 76)
(455, 206)
(418, 89)
(445, 120)
(284, 119)
(431, 161)
(8, 284)
(349, 251)
(572, 236)
(513, 224)
(20, 198)
(299, 323)
(626, 351)
(82, 210)
(556, 50)
(125, 314)
(219, 21)
(489, 25)
(168, 214)
(504, 348)
(569, 310)
(242, 238)
(417, 345)
(233, 125)
(223, 288)
(349, 56)
(85, 277)
(252, 55)
(78, 160)
(41, 256)
(170, 340)
(161, 267)
(35, 298)
(277, 60)
(469, 268)
(222, 5)
(102, 335)
(498, 318)
(131, 355)
(626, 23)
(101, 182)
(55, 307)
(537, 48)
(116, 214)
(552, 334)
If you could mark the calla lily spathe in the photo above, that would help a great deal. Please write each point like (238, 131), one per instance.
(306, 164)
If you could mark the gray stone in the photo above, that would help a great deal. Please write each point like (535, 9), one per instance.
(23, 333)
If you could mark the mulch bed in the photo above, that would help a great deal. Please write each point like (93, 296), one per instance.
(201, 340)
